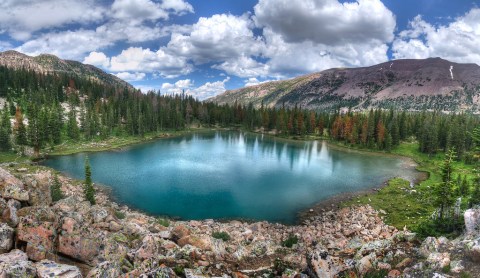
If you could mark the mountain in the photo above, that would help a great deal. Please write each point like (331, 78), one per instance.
(408, 84)
(46, 63)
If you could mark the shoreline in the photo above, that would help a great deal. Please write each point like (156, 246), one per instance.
(332, 203)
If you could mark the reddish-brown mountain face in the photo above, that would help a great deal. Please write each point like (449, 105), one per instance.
(408, 84)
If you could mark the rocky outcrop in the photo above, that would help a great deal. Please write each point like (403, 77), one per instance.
(107, 240)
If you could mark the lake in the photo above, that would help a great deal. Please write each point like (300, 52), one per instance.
(223, 175)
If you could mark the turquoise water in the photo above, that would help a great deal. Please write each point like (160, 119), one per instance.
(232, 175)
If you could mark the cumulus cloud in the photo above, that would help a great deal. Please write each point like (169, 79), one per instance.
(252, 81)
(145, 60)
(327, 22)
(129, 76)
(458, 41)
(209, 89)
(178, 87)
(217, 38)
(98, 59)
(243, 67)
(21, 18)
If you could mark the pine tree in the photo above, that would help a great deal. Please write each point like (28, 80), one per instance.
(88, 190)
(55, 190)
(19, 128)
(443, 193)
(5, 131)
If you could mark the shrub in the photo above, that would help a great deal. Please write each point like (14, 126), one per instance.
(221, 235)
(119, 214)
(163, 221)
(290, 241)
(179, 270)
(55, 190)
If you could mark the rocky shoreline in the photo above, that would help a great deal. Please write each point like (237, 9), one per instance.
(71, 238)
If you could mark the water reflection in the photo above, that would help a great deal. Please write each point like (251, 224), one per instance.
(232, 175)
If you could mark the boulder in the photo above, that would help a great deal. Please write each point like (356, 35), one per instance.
(472, 221)
(9, 214)
(98, 214)
(12, 191)
(429, 245)
(77, 241)
(37, 229)
(180, 231)
(38, 186)
(16, 264)
(438, 260)
(7, 178)
(49, 269)
(321, 264)
(457, 266)
(105, 270)
(6, 238)
(149, 249)
(199, 242)
(472, 248)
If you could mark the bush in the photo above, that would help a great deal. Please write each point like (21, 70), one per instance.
(120, 215)
(221, 235)
(55, 190)
(435, 227)
(290, 241)
(381, 273)
(163, 221)
(179, 270)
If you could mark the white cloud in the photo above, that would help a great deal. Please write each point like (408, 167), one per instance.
(243, 67)
(21, 18)
(326, 22)
(180, 7)
(216, 39)
(128, 76)
(209, 89)
(145, 60)
(67, 44)
(178, 87)
(138, 10)
(98, 59)
(458, 41)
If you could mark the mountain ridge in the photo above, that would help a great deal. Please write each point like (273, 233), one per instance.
(409, 84)
(48, 63)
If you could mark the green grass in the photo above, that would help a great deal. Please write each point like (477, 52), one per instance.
(290, 241)
(163, 221)
(405, 206)
(6, 157)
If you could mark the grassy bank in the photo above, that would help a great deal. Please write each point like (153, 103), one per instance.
(406, 206)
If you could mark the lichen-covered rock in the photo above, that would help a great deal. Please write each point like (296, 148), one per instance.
(47, 269)
(199, 242)
(38, 185)
(180, 231)
(98, 214)
(438, 260)
(16, 264)
(37, 229)
(321, 264)
(12, 191)
(472, 249)
(9, 214)
(149, 249)
(78, 241)
(105, 270)
(6, 238)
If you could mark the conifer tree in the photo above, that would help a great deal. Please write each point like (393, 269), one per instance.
(19, 128)
(88, 190)
(55, 190)
(5, 131)
(443, 193)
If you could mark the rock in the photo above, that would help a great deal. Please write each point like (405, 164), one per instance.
(37, 229)
(78, 241)
(12, 191)
(16, 264)
(382, 265)
(472, 249)
(105, 270)
(48, 269)
(7, 178)
(160, 272)
(98, 213)
(149, 249)
(429, 245)
(165, 234)
(202, 243)
(472, 221)
(9, 214)
(394, 273)
(365, 264)
(438, 260)
(180, 231)
(456, 266)
(6, 238)
(113, 226)
(404, 263)
(321, 264)
(38, 186)
(22, 170)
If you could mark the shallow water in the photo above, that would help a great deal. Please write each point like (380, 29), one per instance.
(233, 175)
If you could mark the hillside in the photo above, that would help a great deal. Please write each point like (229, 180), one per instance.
(408, 84)
(47, 63)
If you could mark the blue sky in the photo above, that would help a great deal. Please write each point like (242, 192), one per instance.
(204, 47)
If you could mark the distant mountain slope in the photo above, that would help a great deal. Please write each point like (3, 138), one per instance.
(409, 84)
(47, 63)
